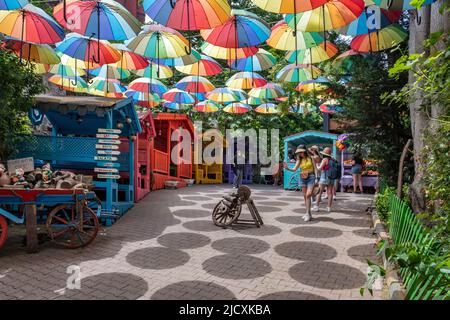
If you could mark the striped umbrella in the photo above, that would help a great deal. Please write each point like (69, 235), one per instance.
(324, 51)
(37, 53)
(241, 30)
(155, 71)
(129, 60)
(246, 81)
(297, 73)
(148, 85)
(267, 108)
(270, 91)
(237, 108)
(317, 84)
(224, 95)
(227, 53)
(108, 72)
(76, 63)
(345, 55)
(73, 84)
(173, 105)
(66, 71)
(199, 96)
(260, 61)
(106, 88)
(195, 84)
(289, 6)
(331, 106)
(284, 37)
(12, 4)
(206, 107)
(380, 40)
(144, 99)
(40, 68)
(204, 67)
(178, 96)
(180, 61)
(253, 101)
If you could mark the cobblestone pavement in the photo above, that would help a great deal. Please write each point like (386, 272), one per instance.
(166, 247)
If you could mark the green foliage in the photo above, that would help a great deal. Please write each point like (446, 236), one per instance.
(382, 203)
(18, 86)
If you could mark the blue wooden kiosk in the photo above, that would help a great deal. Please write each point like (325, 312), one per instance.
(308, 138)
(73, 143)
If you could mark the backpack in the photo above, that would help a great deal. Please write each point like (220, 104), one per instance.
(334, 170)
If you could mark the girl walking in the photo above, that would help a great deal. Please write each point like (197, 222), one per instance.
(357, 168)
(325, 181)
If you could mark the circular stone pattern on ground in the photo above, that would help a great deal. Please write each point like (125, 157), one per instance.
(241, 245)
(157, 258)
(265, 230)
(192, 213)
(327, 275)
(316, 232)
(363, 252)
(183, 240)
(365, 233)
(239, 266)
(290, 295)
(197, 198)
(295, 220)
(353, 222)
(201, 225)
(193, 290)
(306, 251)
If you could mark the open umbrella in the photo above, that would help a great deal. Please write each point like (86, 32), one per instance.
(269, 91)
(195, 84)
(288, 6)
(205, 67)
(144, 99)
(346, 54)
(284, 37)
(106, 88)
(148, 85)
(324, 51)
(37, 53)
(108, 72)
(253, 101)
(267, 108)
(246, 80)
(206, 107)
(380, 40)
(227, 53)
(237, 108)
(129, 60)
(224, 95)
(66, 71)
(297, 73)
(40, 68)
(260, 61)
(173, 105)
(68, 83)
(155, 71)
(12, 4)
(317, 84)
(180, 61)
(331, 106)
(178, 96)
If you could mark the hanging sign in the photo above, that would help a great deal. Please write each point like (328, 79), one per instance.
(105, 158)
(106, 170)
(110, 152)
(108, 176)
(114, 131)
(108, 164)
(107, 136)
(106, 146)
(105, 141)
(27, 164)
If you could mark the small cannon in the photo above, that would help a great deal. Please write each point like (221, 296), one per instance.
(228, 210)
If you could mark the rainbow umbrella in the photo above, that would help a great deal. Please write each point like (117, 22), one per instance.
(204, 67)
(37, 53)
(237, 108)
(260, 61)
(159, 42)
(284, 37)
(148, 85)
(173, 105)
(253, 101)
(246, 80)
(199, 96)
(267, 108)
(346, 54)
(12, 4)
(73, 84)
(206, 107)
(129, 60)
(40, 68)
(324, 51)
(227, 53)
(104, 19)
(224, 95)
(180, 61)
(188, 14)
(240, 31)
(108, 71)
(75, 63)
(317, 84)
(155, 71)
(106, 88)
(380, 40)
(331, 106)
(178, 96)
(270, 91)
(289, 6)
(66, 71)
(144, 99)
(399, 4)
(195, 84)
(30, 24)
(297, 73)
(282, 99)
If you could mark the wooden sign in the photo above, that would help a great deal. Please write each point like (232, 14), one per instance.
(109, 152)
(106, 170)
(105, 158)
(27, 164)
(106, 146)
(108, 164)
(107, 136)
(116, 131)
(108, 176)
(104, 141)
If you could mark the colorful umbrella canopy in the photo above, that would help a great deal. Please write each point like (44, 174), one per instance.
(180, 61)
(195, 84)
(270, 91)
(106, 88)
(260, 61)
(144, 99)
(346, 54)
(148, 85)
(227, 53)
(372, 19)
(199, 96)
(237, 108)
(173, 105)
(284, 37)
(40, 68)
(73, 84)
(37, 53)
(399, 4)
(288, 6)
(206, 106)
(317, 84)
(66, 71)
(30, 24)
(297, 73)
(155, 71)
(159, 42)
(129, 60)
(331, 106)
(240, 31)
(104, 19)
(324, 51)
(108, 71)
(376, 41)
(333, 14)
(246, 80)
(224, 95)
(178, 96)
(204, 67)
(267, 108)
(253, 101)
(76, 63)
(12, 4)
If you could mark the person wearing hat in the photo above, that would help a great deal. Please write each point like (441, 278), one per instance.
(325, 181)
(307, 176)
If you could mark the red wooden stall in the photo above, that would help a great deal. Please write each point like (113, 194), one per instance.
(163, 168)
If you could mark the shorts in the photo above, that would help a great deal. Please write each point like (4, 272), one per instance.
(310, 181)
(357, 169)
(324, 180)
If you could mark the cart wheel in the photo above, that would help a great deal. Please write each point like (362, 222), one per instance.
(3, 231)
(70, 229)
(223, 216)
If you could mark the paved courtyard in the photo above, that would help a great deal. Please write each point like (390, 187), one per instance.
(166, 247)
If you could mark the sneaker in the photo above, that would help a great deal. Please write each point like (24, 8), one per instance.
(307, 217)
(316, 209)
(326, 196)
(328, 209)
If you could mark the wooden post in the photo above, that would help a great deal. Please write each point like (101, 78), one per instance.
(31, 226)
(400, 169)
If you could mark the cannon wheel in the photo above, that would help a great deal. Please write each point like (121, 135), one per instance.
(3, 231)
(71, 229)
(224, 218)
